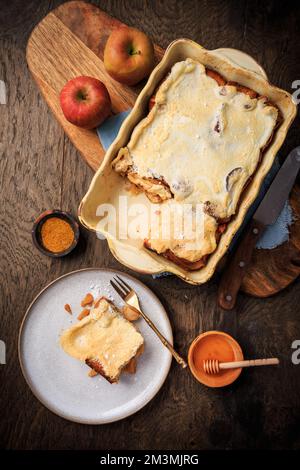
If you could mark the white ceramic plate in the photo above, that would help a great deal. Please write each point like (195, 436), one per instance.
(61, 382)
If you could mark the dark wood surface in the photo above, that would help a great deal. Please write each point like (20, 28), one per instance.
(40, 169)
(239, 263)
(273, 270)
(55, 51)
(70, 42)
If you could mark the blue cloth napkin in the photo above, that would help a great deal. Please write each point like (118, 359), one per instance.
(109, 129)
(273, 236)
(277, 233)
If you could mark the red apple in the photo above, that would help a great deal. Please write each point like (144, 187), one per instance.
(85, 102)
(128, 55)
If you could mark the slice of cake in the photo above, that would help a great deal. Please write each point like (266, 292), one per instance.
(104, 340)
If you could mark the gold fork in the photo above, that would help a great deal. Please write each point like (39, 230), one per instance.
(129, 296)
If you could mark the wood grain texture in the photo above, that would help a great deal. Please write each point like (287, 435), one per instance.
(273, 270)
(238, 265)
(40, 169)
(70, 42)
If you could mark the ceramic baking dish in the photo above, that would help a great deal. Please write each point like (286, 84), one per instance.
(107, 185)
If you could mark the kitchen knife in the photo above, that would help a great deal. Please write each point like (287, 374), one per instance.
(266, 214)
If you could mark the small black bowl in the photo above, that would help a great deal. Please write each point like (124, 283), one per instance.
(37, 226)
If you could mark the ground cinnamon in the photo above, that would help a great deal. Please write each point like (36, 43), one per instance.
(57, 235)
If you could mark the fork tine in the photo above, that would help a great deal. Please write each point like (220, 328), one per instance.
(118, 290)
(123, 285)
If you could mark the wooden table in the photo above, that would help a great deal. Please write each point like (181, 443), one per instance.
(40, 169)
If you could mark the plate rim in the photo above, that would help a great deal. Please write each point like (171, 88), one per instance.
(52, 409)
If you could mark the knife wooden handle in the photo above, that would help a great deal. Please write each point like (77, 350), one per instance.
(233, 274)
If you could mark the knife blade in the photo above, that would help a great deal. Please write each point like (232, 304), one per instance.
(266, 214)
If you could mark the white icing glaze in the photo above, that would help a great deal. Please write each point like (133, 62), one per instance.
(186, 230)
(104, 334)
(198, 133)
(205, 141)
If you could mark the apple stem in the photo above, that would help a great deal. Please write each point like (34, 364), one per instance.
(132, 51)
(81, 95)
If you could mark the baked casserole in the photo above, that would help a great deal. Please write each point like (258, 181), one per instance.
(108, 186)
(199, 146)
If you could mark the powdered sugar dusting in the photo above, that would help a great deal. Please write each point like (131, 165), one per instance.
(64, 385)
(101, 289)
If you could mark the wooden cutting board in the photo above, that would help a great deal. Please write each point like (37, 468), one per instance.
(69, 42)
(273, 270)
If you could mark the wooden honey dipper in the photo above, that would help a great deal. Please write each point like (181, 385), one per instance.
(213, 366)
